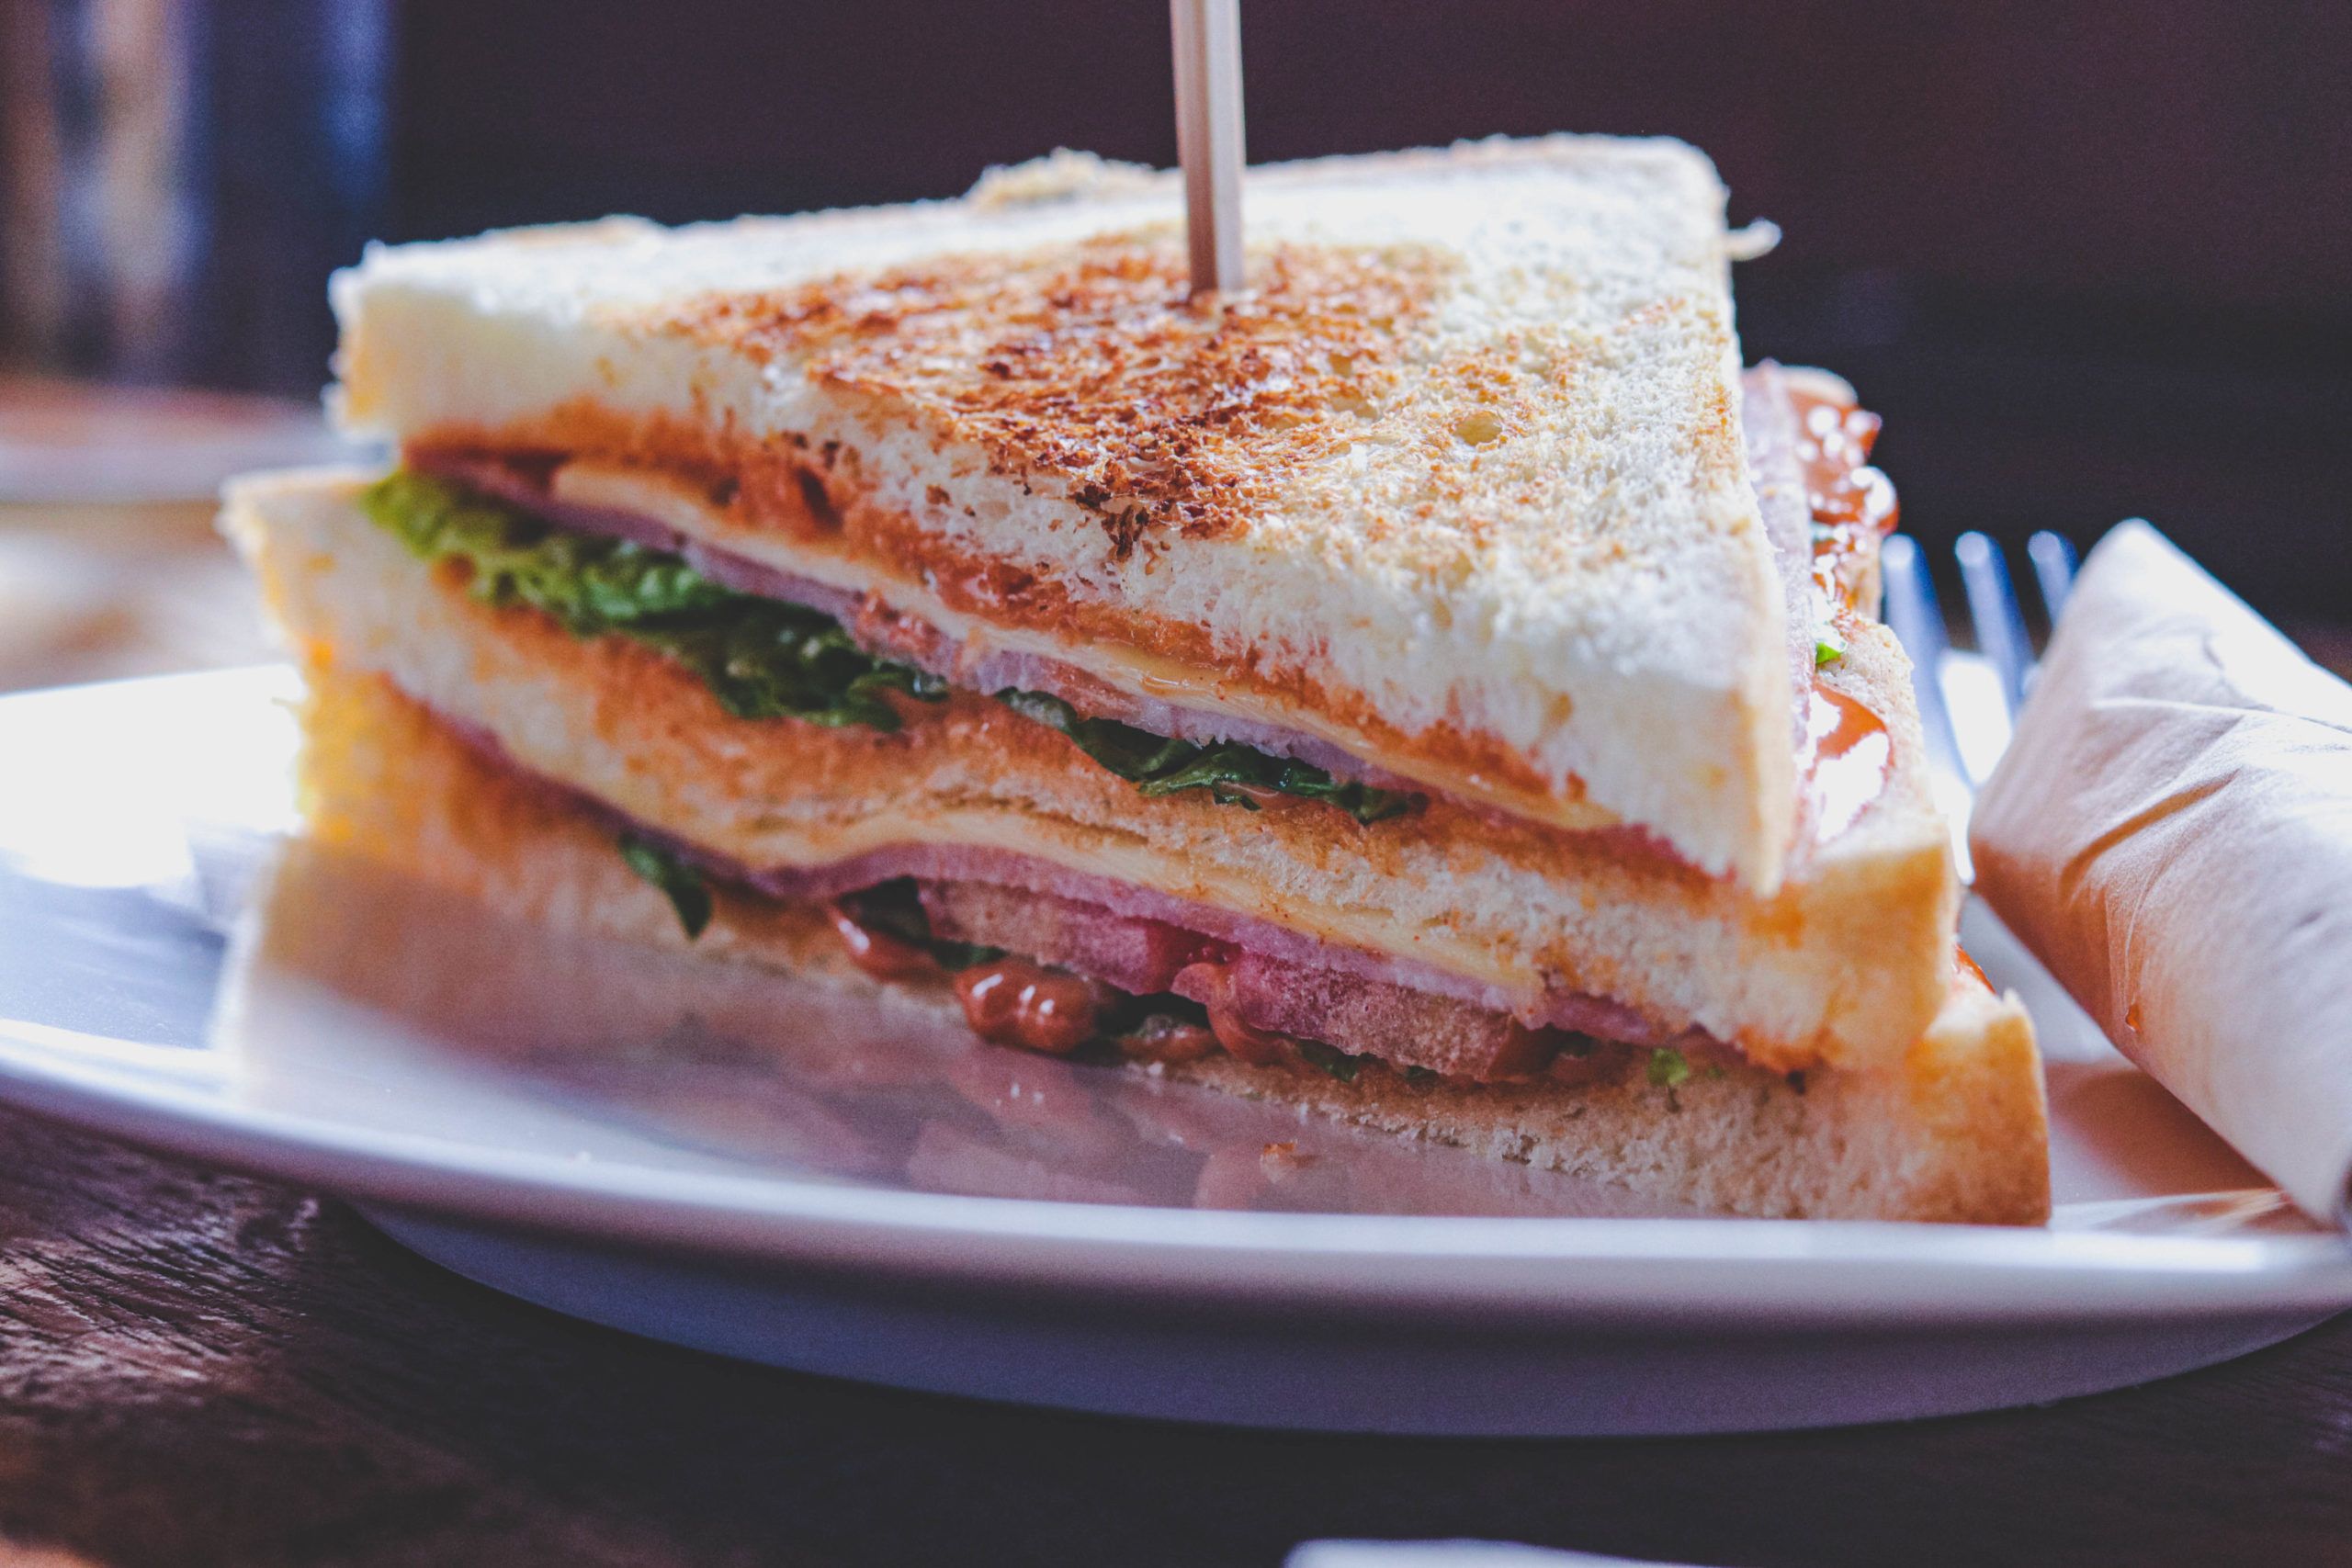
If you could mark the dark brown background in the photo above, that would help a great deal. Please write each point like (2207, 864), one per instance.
(2091, 259)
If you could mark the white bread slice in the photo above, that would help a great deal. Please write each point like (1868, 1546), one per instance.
(1847, 964)
(1458, 486)
(1954, 1129)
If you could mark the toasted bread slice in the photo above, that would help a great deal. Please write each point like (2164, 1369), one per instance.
(1953, 1128)
(1457, 486)
(1846, 964)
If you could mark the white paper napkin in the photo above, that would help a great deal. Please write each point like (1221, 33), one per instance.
(2170, 831)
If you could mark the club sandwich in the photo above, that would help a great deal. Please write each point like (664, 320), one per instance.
(1437, 685)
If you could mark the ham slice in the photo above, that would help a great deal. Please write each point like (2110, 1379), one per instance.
(1137, 939)
(1134, 953)
(1345, 1008)
(1396, 1023)
(888, 634)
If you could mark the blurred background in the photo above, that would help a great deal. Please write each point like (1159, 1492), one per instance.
(2089, 260)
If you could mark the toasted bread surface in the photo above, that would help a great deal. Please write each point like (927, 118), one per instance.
(1460, 480)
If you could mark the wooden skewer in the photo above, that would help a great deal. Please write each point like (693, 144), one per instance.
(1208, 136)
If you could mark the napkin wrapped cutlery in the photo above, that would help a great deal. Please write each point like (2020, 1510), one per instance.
(2170, 831)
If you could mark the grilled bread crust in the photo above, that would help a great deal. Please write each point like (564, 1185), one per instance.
(1953, 1129)
(1459, 483)
(1847, 964)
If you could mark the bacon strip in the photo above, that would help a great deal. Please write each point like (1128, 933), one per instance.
(1022, 878)
(1337, 1005)
(1101, 900)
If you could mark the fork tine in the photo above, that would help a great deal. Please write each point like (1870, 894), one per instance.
(2052, 556)
(1914, 617)
(1993, 606)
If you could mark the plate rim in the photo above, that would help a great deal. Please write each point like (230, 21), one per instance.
(1585, 1269)
(1581, 1269)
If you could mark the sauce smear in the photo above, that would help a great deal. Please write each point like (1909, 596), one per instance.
(1852, 503)
(1015, 1002)
(1848, 755)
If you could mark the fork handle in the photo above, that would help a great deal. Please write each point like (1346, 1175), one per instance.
(1913, 615)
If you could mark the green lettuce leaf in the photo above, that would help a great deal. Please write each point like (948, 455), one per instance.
(894, 908)
(764, 659)
(1158, 765)
(680, 882)
(1331, 1059)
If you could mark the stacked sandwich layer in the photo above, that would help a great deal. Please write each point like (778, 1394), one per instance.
(1433, 685)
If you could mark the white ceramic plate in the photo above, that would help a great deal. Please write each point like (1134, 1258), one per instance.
(758, 1167)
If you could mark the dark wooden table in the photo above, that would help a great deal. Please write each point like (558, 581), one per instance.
(198, 1367)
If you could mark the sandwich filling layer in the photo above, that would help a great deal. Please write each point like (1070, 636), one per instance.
(1183, 729)
(1955, 1130)
(791, 756)
(1095, 955)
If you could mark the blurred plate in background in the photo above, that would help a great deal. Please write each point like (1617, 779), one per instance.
(68, 443)
(109, 565)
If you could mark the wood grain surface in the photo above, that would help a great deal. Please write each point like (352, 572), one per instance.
(198, 1367)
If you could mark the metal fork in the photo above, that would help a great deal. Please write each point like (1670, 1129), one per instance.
(1967, 708)
(1969, 703)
